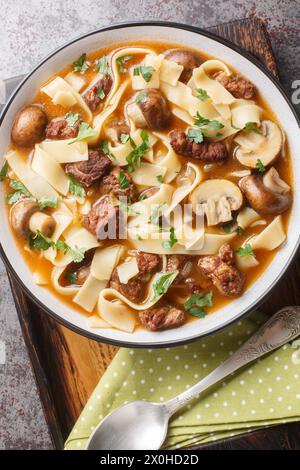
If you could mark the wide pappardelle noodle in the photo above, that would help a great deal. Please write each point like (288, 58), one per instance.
(150, 182)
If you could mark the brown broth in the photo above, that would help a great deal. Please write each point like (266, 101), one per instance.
(282, 164)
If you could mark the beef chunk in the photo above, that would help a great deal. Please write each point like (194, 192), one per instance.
(133, 290)
(162, 317)
(60, 129)
(112, 184)
(103, 220)
(90, 171)
(207, 152)
(182, 263)
(91, 96)
(221, 270)
(239, 87)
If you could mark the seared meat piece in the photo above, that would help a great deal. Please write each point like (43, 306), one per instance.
(103, 220)
(239, 87)
(91, 96)
(221, 270)
(113, 181)
(90, 171)
(115, 129)
(161, 317)
(60, 129)
(207, 152)
(133, 290)
(181, 263)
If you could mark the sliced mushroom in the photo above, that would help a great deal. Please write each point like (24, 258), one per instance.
(261, 198)
(21, 214)
(29, 126)
(218, 198)
(188, 59)
(265, 147)
(150, 110)
(274, 183)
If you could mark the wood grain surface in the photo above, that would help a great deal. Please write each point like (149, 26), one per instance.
(68, 366)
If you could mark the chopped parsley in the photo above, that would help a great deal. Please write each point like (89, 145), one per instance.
(19, 190)
(104, 146)
(245, 251)
(71, 277)
(231, 226)
(4, 171)
(204, 127)
(72, 118)
(260, 166)
(81, 64)
(141, 96)
(40, 242)
(240, 231)
(142, 197)
(76, 188)
(48, 202)
(123, 181)
(156, 214)
(162, 284)
(145, 70)
(252, 127)
(135, 156)
(167, 244)
(101, 94)
(84, 132)
(121, 61)
(202, 94)
(102, 66)
(194, 305)
(124, 138)
(160, 178)
(195, 135)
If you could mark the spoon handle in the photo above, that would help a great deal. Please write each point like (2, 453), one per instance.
(278, 330)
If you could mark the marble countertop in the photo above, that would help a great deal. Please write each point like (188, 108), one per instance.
(29, 30)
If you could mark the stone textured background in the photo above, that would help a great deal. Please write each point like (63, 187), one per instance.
(30, 29)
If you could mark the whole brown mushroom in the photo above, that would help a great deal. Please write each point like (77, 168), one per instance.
(25, 217)
(188, 59)
(149, 110)
(29, 126)
(262, 199)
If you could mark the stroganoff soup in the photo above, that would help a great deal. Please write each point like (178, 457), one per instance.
(147, 184)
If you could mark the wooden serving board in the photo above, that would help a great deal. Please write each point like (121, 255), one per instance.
(68, 366)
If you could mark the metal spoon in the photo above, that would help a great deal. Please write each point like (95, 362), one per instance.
(143, 425)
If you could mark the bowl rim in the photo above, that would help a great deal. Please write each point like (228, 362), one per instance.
(255, 303)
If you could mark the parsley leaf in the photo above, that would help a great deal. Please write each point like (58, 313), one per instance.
(19, 190)
(4, 171)
(76, 188)
(101, 94)
(102, 66)
(206, 126)
(84, 131)
(156, 214)
(71, 277)
(124, 138)
(195, 135)
(163, 283)
(11, 198)
(167, 244)
(122, 60)
(240, 231)
(245, 251)
(104, 146)
(123, 181)
(145, 70)
(160, 178)
(260, 166)
(194, 305)
(202, 94)
(252, 127)
(72, 119)
(141, 96)
(40, 242)
(81, 64)
(48, 202)
(135, 156)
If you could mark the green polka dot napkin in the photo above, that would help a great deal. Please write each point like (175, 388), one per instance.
(265, 393)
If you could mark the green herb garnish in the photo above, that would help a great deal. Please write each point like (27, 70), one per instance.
(194, 305)
(145, 70)
(121, 61)
(160, 178)
(245, 251)
(81, 64)
(76, 188)
(168, 244)
(72, 118)
(205, 126)
(134, 158)
(124, 138)
(195, 135)
(252, 127)
(71, 277)
(19, 190)
(260, 166)
(84, 132)
(48, 202)
(40, 242)
(141, 96)
(156, 214)
(101, 94)
(4, 171)
(202, 94)
(123, 181)
(102, 66)
(163, 283)
(240, 231)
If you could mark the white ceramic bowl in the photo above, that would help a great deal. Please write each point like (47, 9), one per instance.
(273, 94)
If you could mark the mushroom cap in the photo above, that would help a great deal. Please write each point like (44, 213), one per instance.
(265, 147)
(188, 59)
(218, 197)
(261, 198)
(20, 214)
(29, 126)
(151, 111)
